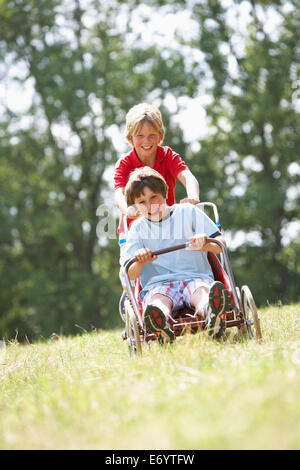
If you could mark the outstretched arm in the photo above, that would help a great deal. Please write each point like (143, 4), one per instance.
(191, 185)
(120, 201)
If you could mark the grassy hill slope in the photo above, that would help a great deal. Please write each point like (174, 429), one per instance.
(85, 392)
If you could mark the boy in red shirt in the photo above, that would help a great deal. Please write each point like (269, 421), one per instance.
(145, 133)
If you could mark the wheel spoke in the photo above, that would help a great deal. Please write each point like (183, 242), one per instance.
(132, 330)
(250, 314)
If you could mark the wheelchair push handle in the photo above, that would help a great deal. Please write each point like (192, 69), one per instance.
(184, 245)
(171, 248)
(175, 248)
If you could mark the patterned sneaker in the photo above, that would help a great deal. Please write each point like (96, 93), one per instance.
(155, 322)
(219, 303)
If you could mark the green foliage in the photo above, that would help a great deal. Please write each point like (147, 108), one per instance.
(246, 166)
(86, 66)
(53, 271)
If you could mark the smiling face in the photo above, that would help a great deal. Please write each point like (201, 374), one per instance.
(146, 142)
(151, 204)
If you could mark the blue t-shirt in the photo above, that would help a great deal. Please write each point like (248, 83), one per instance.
(183, 221)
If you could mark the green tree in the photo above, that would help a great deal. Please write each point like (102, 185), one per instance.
(86, 68)
(58, 163)
(249, 164)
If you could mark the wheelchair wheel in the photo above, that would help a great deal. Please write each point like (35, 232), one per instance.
(133, 337)
(121, 305)
(252, 321)
(242, 330)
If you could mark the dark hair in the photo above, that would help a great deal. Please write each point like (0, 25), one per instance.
(141, 178)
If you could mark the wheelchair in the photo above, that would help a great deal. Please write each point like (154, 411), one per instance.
(242, 314)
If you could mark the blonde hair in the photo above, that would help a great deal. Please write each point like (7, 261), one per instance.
(141, 178)
(138, 115)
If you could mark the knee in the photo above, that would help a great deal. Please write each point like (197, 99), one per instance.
(162, 301)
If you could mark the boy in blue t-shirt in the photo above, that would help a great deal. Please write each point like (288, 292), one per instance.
(176, 278)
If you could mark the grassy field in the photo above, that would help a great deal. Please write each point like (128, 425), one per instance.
(85, 392)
